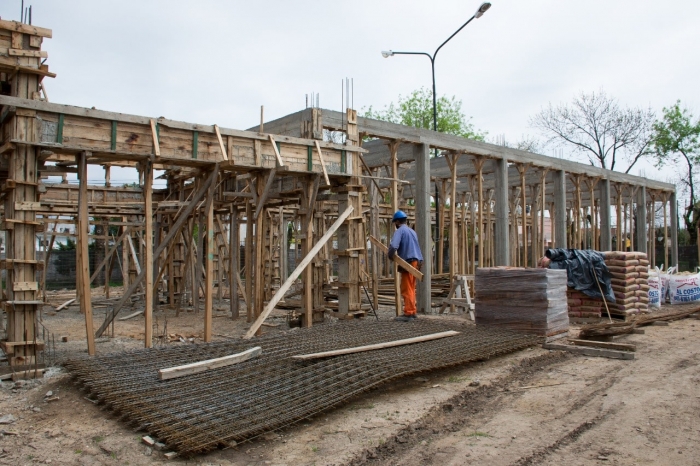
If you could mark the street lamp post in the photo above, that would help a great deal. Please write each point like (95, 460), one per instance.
(390, 53)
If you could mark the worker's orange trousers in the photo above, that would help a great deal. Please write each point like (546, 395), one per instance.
(408, 291)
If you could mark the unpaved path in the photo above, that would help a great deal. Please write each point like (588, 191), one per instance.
(530, 407)
(578, 411)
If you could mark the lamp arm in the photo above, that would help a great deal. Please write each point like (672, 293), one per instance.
(454, 34)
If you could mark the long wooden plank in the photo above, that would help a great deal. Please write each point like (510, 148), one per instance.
(604, 344)
(209, 364)
(408, 267)
(221, 142)
(209, 264)
(323, 163)
(133, 254)
(599, 352)
(388, 344)
(108, 255)
(67, 303)
(263, 199)
(177, 225)
(154, 135)
(83, 230)
(148, 251)
(293, 276)
(280, 162)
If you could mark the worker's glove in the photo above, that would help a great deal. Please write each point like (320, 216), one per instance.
(420, 265)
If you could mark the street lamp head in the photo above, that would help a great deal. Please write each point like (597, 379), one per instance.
(482, 9)
(387, 53)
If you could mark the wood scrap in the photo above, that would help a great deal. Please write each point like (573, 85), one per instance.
(66, 304)
(597, 352)
(209, 364)
(604, 344)
(388, 344)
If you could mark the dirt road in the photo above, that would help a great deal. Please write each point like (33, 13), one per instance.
(530, 407)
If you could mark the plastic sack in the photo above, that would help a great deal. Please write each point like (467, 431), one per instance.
(656, 290)
(684, 288)
(585, 271)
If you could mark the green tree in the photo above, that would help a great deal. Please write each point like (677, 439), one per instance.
(675, 139)
(417, 110)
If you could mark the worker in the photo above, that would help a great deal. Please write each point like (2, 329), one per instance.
(404, 243)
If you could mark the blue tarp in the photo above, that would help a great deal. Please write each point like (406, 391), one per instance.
(582, 267)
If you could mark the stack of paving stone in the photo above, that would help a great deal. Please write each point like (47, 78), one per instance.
(527, 300)
(629, 272)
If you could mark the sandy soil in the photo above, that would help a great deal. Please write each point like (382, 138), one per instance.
(530, 407)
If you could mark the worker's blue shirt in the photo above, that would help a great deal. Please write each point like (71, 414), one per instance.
(405, 242)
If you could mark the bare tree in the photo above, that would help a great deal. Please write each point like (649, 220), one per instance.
(596, 126)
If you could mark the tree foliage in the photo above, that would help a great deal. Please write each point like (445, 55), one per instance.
(675, 141)
(417, 110)
(596, 126)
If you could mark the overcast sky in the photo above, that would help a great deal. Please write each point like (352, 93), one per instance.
(218, 61)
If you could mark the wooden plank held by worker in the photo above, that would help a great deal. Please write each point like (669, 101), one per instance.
(406, 266)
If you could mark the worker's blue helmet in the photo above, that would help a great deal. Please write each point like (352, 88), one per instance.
(399, 215)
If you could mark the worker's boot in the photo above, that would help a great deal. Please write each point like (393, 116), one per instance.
(405, 318)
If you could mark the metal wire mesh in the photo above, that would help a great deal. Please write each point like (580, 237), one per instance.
(197, 413)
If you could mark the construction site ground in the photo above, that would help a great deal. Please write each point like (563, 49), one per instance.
(530, 407)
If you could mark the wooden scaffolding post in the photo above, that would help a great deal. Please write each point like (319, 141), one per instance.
(83, 232)
(452, 162)
(249, 236)
(374, 231)
(209, 263)
(234, 262)
(479, 165)
(394, 150)
(148, 252)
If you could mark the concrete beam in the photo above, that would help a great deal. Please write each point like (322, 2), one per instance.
(674, 230)
(502, 249)
(560, 209)
(605, 233)
(642, 220)
(421, 153)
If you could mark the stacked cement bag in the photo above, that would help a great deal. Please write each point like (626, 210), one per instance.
(582, 306)
(629, 272)
(527, 300)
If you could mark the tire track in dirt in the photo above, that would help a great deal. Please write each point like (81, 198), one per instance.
(455, 413)
(540, 454)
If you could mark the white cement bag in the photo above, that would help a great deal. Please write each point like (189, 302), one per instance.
(655, 292)
(684, 288)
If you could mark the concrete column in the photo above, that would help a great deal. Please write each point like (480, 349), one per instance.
(642, 220)
(674, 229)
(421, 154)
(502, 249)
(560, 209)
(605, 234)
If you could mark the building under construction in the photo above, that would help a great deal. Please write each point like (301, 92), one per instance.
(180, 246)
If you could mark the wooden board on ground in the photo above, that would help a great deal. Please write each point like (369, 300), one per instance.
(388, 344)
(599, 352)
(201, 366)
(604, 344)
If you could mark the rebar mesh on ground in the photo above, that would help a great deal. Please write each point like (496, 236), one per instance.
(199, 412)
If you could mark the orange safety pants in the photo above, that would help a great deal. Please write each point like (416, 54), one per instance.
(408, 291)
